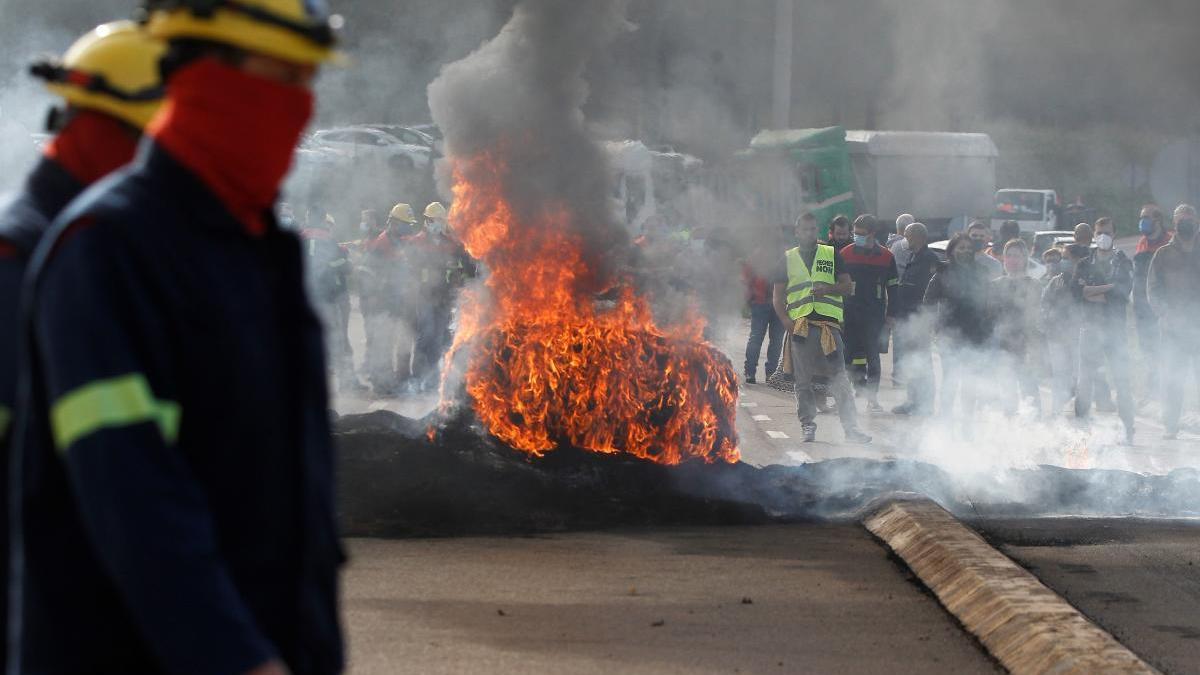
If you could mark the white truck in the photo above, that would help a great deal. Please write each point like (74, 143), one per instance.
(1034, 210)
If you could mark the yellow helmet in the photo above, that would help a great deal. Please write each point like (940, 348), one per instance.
(403, 212)
(113, 69)
(301, 31)
(435, 211)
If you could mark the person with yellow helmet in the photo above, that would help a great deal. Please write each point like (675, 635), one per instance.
(440, 265)
(176, 485)
(386, 298)
(436, 217)
(110, 84)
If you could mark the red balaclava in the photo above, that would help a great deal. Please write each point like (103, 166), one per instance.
(234, 130)
(92, 145)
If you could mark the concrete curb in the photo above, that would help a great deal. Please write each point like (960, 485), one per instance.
(1023, 624)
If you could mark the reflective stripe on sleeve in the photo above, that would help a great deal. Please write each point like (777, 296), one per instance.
(117, 402)
(5, 420)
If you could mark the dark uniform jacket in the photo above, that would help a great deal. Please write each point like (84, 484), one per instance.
(175, 480)
(907, 298)
(1172, 283)
(23, 220)
(959, 295)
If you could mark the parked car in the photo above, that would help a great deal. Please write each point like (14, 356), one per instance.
(1046, 239)
(410, 135)
(364, 142)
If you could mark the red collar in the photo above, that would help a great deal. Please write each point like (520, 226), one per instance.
(92, 145)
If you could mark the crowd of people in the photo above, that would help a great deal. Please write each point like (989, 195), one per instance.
(405, 273)
(1091, 322)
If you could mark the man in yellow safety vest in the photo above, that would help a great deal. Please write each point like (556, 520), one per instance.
(809, 287)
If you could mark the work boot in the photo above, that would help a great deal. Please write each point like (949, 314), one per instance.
(903, 409)
(873, 406)
(856, 436)
(749, 378)
(810, 431)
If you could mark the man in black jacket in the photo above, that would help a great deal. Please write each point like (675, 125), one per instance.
(913, 328)
(1104, 282)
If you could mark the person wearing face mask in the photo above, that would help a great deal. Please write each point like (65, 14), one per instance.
(1052, 259)
(96, 132)
(957, 298)
(1102, 393)
(1154, 233)
(1014, 301)
(979, 236)
(1171, 285)
(389, 295)
(175, 501)
(1102, 288)
(440, 264)
(1061, 318)
(873, 271)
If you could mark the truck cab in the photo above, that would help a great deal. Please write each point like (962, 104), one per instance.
(1033, 210)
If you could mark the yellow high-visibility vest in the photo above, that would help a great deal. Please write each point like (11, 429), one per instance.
(800, 298)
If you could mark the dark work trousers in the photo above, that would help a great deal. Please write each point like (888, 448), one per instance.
(1148, 339)
(764, 323)
(335, 319)
(1181, 345)
(911, 348)
(864, 327)
(1105, 347)
(433, 336)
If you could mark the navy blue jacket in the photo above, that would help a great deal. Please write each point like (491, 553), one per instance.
(23, 220)
(175, 477)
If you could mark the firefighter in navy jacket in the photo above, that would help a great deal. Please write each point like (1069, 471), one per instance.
(175, 468)
(110, 82)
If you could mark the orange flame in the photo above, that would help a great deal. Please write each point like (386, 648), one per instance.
(547, 365)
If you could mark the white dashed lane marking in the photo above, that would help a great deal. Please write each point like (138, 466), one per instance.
(777, 434)
(762, 418)
(800, 457)
(749, 404)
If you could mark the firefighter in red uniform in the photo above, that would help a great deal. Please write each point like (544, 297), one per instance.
(439, 266)
(109, 79)
(174, 478)
(873, 270)
(388, 295)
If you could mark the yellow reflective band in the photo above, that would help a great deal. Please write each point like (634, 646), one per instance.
(117, 402)
(5, 420)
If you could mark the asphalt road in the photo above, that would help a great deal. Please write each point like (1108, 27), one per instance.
(815, 598)
(1138, 579)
